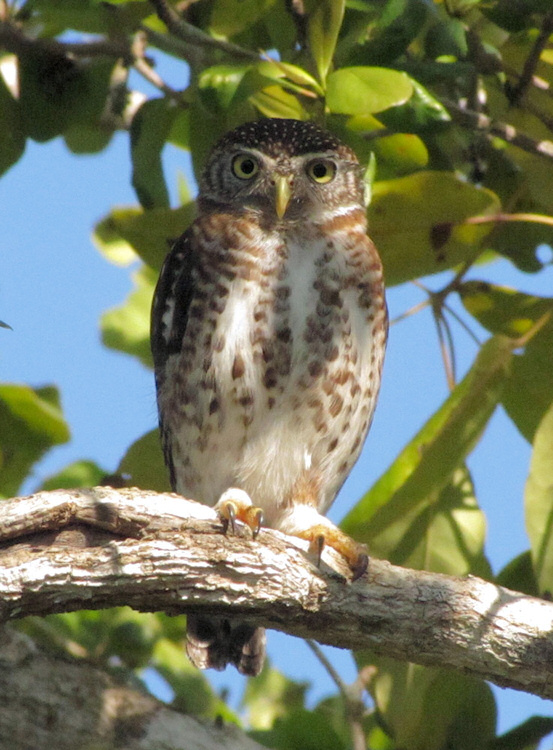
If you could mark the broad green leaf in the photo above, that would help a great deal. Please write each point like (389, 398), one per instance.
(399, 154)
(150, 130)
(529, 389)
(230, 17)
(149, 234)
(143, 464)
(422, 113)
(431, 709)
(273, 101)
(525, 736)
(31, 422)
(77, 474)
(426, 465)
(12, 138)
(538, 504)
(447, 37)
(127, 328)
(218, 84)
(324, 18)
(406, 213)
(271, 695)
(363, 90)
(308, 730)
(519, 575)
(89, 16)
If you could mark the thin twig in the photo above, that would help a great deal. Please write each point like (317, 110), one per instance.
(351, 695)
(515, 93)
(192, 35)
(470, 119)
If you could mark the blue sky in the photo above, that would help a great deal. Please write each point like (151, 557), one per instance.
(55, 285)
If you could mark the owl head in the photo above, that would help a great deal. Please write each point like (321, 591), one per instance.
(286, 170)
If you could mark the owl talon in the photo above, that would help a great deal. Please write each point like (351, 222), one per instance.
(235, 504)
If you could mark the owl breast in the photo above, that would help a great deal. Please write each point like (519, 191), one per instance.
(278, 367)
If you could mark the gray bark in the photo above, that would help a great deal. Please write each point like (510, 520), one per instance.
(158, 552)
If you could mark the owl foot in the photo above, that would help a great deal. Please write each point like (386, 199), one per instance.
(236, 505)
(322, 535)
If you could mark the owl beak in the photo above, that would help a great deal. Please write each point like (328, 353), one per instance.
(282, 195)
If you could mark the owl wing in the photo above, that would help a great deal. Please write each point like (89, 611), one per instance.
(172, 297)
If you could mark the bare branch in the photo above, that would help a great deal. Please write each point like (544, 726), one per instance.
(471, 119)
(516, 93)
(180, 561)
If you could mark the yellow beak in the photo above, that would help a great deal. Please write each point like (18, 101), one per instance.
(282, 195)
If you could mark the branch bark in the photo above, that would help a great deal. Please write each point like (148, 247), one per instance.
(161, 552)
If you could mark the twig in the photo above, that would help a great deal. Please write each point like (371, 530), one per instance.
(471, 119)
(515, 93)
(192, 35)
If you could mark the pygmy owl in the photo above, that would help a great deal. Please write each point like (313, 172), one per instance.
(268, 333)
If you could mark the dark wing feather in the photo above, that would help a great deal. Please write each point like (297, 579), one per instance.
(171, 303)
(172, 297)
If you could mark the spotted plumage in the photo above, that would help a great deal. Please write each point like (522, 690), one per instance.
(268, 334)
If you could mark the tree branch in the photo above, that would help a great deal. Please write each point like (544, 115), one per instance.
(118, 549)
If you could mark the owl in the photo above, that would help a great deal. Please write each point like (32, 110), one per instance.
(269, 327)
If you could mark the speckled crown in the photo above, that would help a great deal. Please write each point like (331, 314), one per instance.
(275, 136)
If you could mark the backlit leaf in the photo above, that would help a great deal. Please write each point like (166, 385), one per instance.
(364, 90)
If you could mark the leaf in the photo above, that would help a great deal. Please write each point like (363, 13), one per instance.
(308, 730)
(127, 328)
(525, 736)
(230, 17)
(31, 422)
(12, 140)
(149, 234)
(430, 709)
(270, 696)
(144, 465)
(538, 504)
(404, 214)
(529, 389)
(426, 465)
(77, 474)
(150, 130)
(273, 101)
(519, 575)
(364, 90)
(324, 18)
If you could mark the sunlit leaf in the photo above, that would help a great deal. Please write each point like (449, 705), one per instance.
(405, 212)
(462, 708)
(362, 90)
(324, 18)
(31, 422)
(426, 465)
(273, 101)
(127, 328)
(529, 389)
(149, 234)
(271, 695)
(538, 503)
(229, 17)
(143, 464)
(150, 129)
(77, 474)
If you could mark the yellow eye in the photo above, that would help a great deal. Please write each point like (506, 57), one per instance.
(321, 171)
(245, 166)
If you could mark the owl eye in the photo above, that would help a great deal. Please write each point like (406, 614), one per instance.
(244, 166)
(321, 171)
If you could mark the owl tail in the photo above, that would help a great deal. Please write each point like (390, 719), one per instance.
(215, 643)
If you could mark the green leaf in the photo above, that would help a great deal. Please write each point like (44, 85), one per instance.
(31, 422)
(422, 113)
(519, 575)
(431, 709)
(529, 390)
(526, 736)
(77, 474)
(538, 504)
(150, 130)
(149, 234)
(273, 101)
(324, 18)
(426, 465)
(143, 464)
(363, 90)
(12, 138)
(308, 730)
(127, 328)
(270, 696)
(406, 212)
(230, 17)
